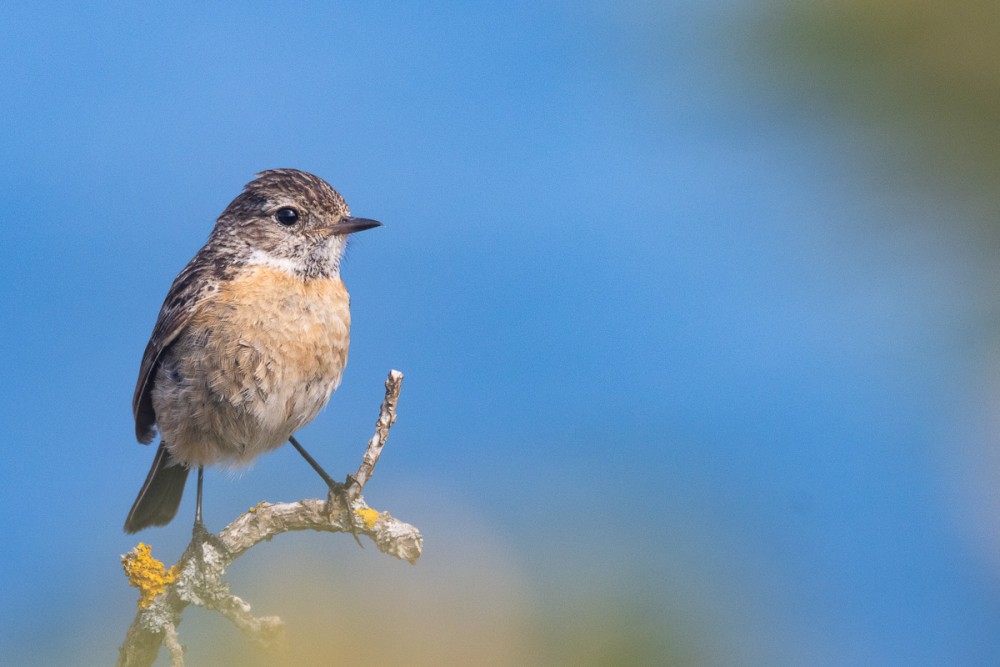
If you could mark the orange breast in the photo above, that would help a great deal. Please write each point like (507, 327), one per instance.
(258, 360)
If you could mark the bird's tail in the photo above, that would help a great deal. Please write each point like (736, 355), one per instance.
(160, 494)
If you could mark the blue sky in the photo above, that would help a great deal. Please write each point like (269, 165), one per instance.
(666, 339)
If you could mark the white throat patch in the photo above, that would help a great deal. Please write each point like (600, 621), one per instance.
(286, 264)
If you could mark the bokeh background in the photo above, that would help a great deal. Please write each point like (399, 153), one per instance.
(696, 304)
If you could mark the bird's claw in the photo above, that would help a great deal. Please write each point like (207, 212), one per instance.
(341, 494)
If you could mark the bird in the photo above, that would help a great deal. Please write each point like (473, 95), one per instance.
(251, 340)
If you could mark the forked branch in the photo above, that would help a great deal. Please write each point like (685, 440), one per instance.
(197, 576)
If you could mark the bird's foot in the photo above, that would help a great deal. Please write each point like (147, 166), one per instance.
(343, 494)
(202, 538)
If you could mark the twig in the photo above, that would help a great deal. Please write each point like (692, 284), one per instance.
(199, 571)
(386, 418)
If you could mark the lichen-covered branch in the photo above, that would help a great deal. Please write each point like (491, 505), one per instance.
(386, 418)
(197, 576)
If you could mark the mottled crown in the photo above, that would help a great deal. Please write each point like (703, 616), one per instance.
(305, 188)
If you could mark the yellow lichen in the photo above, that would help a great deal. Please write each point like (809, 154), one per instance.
(146, 573)
(368, 515)
(256, 507)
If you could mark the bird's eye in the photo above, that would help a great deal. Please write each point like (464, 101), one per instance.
(286, 216)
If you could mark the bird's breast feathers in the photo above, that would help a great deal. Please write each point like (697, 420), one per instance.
(257, 361)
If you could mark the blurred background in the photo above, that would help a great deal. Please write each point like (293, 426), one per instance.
(695, 301)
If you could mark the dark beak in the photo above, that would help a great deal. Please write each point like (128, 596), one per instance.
(351, 225)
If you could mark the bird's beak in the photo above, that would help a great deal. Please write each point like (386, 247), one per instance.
(351, 225)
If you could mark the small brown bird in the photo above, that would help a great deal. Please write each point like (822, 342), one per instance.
(251, 340)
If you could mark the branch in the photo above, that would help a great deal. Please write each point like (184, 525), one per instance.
(197, 576)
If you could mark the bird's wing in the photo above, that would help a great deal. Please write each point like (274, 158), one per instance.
(185, 296)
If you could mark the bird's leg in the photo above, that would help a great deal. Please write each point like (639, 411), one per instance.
(336, 488)
(200, 537)
(198, 532)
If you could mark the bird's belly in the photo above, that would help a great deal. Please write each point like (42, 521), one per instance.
(258, 361)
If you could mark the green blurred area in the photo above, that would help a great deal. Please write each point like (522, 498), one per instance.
(919, 78)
